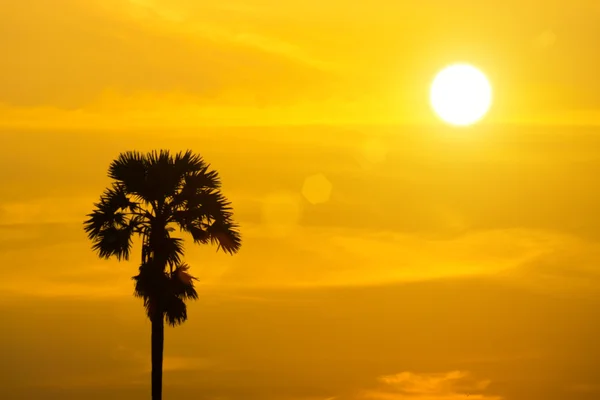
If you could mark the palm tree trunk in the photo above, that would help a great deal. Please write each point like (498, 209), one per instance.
(157, 343)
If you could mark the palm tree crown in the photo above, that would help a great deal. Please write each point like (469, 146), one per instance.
(151, 195)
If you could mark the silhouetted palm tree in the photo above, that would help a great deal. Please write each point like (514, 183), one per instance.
(150, 196)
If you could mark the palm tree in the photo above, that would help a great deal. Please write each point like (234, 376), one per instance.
(150, 196)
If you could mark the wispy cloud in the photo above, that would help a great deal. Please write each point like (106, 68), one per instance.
(453, 385)
(138, 56)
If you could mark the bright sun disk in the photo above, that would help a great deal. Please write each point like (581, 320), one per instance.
(461, 94)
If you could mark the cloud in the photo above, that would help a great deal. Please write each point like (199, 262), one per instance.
(565, 266)
(146, 63)
(453, 385)
(87, 52)
(418, 220)
(339, 340)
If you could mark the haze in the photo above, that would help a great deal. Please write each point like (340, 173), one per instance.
(442, 262)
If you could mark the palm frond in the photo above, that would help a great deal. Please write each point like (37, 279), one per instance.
(192, 186)
(226, 235)
(159, 289)
(199, 234)
(188, 163)
(173, 249)
(109, 211)
(182, 283)
(214, 204)
(130, 169)
(175, 310)
(111, 225)
(204, 178)
(162, 247)
(113, 241)
(150, 281)
(162, 175)
(204, 206)
(207, 216)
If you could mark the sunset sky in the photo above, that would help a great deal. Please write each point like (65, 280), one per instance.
(386, 256)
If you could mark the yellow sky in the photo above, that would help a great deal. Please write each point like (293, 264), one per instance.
(385, 256)
(155, 63)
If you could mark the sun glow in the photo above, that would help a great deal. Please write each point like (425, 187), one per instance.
(461, 94)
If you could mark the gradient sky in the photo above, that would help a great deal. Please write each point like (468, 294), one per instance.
(385, 256)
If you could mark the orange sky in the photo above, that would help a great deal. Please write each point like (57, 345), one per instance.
(385, 256)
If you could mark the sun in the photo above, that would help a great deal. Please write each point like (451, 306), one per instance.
(461, 94)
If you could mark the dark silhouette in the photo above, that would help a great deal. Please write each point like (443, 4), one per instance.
(151, 195)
